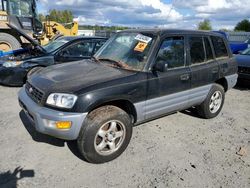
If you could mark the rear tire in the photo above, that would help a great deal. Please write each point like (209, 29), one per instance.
(8, 42)
(213, 104)
(105, 134)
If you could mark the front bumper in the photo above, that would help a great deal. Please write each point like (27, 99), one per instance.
(42, 118)
(13, 76)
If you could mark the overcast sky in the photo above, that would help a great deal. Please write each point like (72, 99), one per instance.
(150, 13)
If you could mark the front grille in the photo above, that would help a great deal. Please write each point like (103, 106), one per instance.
(34, 93)
(244, 70)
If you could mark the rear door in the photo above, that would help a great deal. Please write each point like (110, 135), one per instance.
(221, 54)
(204, 68)
(168, 91)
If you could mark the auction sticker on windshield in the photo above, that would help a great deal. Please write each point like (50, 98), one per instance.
(140, 47)
(143, 38)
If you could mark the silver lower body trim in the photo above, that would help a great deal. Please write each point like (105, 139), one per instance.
(174, 102)
(231, 80)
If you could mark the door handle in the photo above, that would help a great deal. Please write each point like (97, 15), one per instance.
(185, 77)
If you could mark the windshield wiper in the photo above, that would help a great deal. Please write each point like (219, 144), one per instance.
(117, 63)
(96, 59)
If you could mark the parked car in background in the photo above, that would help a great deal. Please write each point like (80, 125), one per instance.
(248, 43)
(137, 76)
(236, 47)
(15, 68)
(243, 60)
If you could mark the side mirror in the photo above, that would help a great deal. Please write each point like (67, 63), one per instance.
(62, 54)
(161, 66)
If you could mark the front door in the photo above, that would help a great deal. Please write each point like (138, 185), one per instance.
(168, 91)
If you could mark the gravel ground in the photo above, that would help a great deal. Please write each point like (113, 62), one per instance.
(179, 150)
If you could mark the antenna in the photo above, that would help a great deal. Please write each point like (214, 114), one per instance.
(172, 6)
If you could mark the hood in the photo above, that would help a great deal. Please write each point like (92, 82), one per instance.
(27, 37)
(75, 76)
(243, 60)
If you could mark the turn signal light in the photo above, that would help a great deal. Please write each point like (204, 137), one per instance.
(63, 124)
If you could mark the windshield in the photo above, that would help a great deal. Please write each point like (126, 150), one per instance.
(126, 50)
(21, 7)
(52, 46)
(246, 52)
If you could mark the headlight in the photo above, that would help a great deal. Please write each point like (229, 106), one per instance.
(61, 100)
(12, 63)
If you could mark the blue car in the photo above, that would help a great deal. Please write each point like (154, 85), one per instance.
(243, 60)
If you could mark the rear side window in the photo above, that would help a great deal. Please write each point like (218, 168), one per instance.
(197, 52)
(209, 53)
(219, 47)
(172, 52)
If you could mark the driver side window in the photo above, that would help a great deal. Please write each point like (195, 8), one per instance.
(172, 52)
(81, 49)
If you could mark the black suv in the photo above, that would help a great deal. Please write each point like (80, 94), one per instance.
(137, 76)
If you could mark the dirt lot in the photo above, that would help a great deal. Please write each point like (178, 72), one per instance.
(180, 150)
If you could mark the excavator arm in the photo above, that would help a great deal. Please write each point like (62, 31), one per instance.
(53, 30)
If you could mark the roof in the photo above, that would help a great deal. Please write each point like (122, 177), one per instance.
(161, 31)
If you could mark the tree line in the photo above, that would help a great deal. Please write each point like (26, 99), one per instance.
(66, 16)
(98, 27)
(60, 16)
(243, 25)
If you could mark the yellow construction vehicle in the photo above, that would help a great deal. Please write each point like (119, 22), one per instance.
(53, 30)
(22, 14)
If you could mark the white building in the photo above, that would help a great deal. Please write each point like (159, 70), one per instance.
(88, 33)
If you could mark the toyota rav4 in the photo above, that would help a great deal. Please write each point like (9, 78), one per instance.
(137, 76)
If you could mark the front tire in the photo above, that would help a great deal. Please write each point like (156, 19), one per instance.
(8, 42)
(214, 102)
(105, 134)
